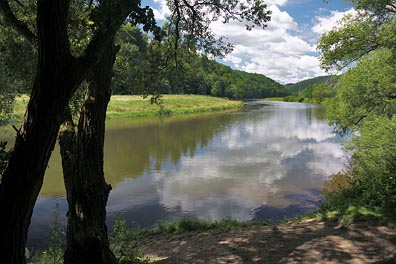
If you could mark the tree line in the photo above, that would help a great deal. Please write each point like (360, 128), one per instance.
(143, 66)
(315, 90)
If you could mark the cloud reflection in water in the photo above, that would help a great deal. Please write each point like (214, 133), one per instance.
(265, 158)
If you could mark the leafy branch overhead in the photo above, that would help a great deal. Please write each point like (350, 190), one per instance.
(370, 27)
(192, 19)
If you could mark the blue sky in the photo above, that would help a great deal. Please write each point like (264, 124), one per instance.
(286, 50)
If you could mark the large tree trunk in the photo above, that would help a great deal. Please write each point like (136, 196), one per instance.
(58, 76)
(53, 87)
(87, 191)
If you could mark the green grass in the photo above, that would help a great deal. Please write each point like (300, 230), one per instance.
(135, 106)
(275, 99)
(19, 108)
(289, 98)
(348, 211)
(188, 225)
(122, 106)
(182, 226)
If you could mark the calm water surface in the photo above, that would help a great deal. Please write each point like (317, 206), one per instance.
(267, 161)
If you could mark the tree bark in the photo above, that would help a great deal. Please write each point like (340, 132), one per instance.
(52, 89)
(58, 76)
(68, 148)
(87, 191)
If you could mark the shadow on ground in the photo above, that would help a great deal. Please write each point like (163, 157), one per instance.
(308, 241)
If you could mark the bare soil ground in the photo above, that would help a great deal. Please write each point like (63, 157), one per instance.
(307, 241)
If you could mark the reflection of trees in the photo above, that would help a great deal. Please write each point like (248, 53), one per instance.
(131, 152)
(320, 113)
(143, 145)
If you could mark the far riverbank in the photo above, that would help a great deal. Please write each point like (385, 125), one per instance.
(124, 106)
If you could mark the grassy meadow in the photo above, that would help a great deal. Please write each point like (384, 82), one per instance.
(122, 106)
(135, 106)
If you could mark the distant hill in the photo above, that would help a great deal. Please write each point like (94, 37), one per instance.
(295, 88)
(223, 81)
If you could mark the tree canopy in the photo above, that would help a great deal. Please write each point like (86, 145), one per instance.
(365, 103)
(370, 27)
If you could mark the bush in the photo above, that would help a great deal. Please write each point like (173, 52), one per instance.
(123, 241)
(371, 181)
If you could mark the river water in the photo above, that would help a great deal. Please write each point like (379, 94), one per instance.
(266, 161)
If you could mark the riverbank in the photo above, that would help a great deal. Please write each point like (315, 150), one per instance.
(306, 241)
(136, 106)
(296, 99)
(123, 106)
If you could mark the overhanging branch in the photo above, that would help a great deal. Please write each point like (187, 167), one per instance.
(14, 22)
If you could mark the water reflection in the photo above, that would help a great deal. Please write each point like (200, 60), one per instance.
(267, 161)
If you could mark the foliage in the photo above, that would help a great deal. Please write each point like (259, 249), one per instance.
(292, 98)
(365, 102)
(4, 156)
(299, 87)
(374, 162)
(190, 21)
(128, 68)
(320, 92)
(15, 77)
(55, 250)
(54, 253)
(370, 28)
(195, 225)
(314, 90)
(123, 241)
(145, 66)
(365, 90)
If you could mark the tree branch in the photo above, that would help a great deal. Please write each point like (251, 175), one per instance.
(14, 22)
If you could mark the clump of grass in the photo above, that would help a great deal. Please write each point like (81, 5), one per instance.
(54, 253)
(342, 202)
(123, 242)
(195, 225)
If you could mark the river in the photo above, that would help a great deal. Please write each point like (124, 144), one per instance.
(266, 161)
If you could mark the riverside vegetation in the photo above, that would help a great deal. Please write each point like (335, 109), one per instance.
(123, 106)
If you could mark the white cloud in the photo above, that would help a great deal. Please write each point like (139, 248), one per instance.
(277, 52)
(285, 51)
(276, 2)
(326, 23)
(162, 11)
(284, 67)
(234, 59)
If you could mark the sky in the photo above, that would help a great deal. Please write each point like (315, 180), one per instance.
(286, 50)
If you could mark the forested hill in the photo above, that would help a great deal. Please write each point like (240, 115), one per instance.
(144, 66)
(296, 88)
(226, 82)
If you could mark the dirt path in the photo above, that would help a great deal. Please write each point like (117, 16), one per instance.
(309, 241)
